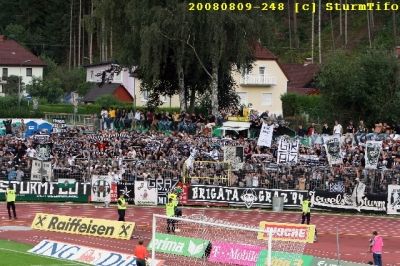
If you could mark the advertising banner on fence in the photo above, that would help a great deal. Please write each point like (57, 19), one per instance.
(393, 199)
(83, 254)
(101, 188)
(127, 188)
(47, 191)
(40, 170)
(285, 258)
(288, 232)
(344, 201)
(244, 196)
(177, 245)
(83, 226)
(145, 195)
(234, 253)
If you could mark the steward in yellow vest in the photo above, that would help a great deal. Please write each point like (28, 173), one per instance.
(306, 210)
(121, 203)
(170, 212)
(10, 199)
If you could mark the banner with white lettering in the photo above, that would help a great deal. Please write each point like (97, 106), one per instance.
(265, 138)
(127, 188)
(83, 254)
(332, 148)
(145, 195)
(258, 197)
(163, 186)
(343, 201)
(393, 205)
(372, 152)
(101, 188)
(40, 170)
(47, 191)
(288, 151)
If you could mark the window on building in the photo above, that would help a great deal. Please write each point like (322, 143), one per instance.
(261, 70)
(5, 73)
(266, 99)
(145, 96)
(29, 72)
(242, 98)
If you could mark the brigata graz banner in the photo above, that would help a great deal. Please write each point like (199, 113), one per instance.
(344, 201)
(47, 191)
(260, 197)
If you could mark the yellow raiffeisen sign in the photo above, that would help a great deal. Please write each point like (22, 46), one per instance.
(83, 226)
(288, 232)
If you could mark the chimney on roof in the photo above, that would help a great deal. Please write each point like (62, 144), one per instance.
(3, 38)
(308, 61)
(397, 51)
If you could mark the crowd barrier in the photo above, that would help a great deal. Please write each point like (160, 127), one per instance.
(154, 192)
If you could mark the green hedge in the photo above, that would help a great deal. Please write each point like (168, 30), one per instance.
(295, 104)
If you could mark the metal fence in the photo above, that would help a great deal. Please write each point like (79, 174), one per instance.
(268, 175)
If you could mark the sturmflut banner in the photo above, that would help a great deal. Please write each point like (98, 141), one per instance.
(265, 138)
(372, 152)
(244, 196)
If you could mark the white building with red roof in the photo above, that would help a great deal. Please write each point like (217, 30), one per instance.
(263, 84)
(16, 60)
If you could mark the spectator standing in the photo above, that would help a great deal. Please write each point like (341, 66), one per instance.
(10, 198)
(361, 127)
(337, 129)
(325, 129)
(311, 130)
(104, 118)
(22, 129)
(301, 131)
(376, 245)
(350, 128)
(138, 118)
(112, 115)
(141, 254)
(7, 125)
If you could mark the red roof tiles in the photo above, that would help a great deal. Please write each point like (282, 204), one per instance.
(14, 54)
(262, 53)
(300, 77)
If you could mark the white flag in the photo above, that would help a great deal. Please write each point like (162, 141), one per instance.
(265, 138)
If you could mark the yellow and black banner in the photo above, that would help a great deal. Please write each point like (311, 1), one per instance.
(83, 226)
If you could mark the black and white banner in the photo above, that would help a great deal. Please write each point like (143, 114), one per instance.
(163, 186)
(144, 195)
(59, 125)
(332, 147)
(234, 155)
(372, 152)
(101, 188)
(337, 187)
(265, 138)
(343, 201)
(258, 197)
(393, 206)
(288, 151)
(40, 170)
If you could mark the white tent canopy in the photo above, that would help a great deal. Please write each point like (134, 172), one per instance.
(235, 126)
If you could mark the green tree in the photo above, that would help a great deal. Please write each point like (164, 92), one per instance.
(49, 89)
(107, 101)
(363, 86)
(11, 87)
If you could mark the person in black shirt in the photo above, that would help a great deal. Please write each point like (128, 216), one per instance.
(301, 131)
(326, 130)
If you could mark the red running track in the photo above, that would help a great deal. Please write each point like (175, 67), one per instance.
(354, 230)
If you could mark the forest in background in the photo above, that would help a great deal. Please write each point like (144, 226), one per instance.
(193, 52)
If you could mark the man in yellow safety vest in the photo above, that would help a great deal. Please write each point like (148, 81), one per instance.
(306, 208)
(10, 198)
(121, 207)
(170, 212)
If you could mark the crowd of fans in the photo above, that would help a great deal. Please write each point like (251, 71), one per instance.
(125, 151)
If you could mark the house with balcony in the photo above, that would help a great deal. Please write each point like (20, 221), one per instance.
(108, 78)
(16, 60)
(263, 84)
